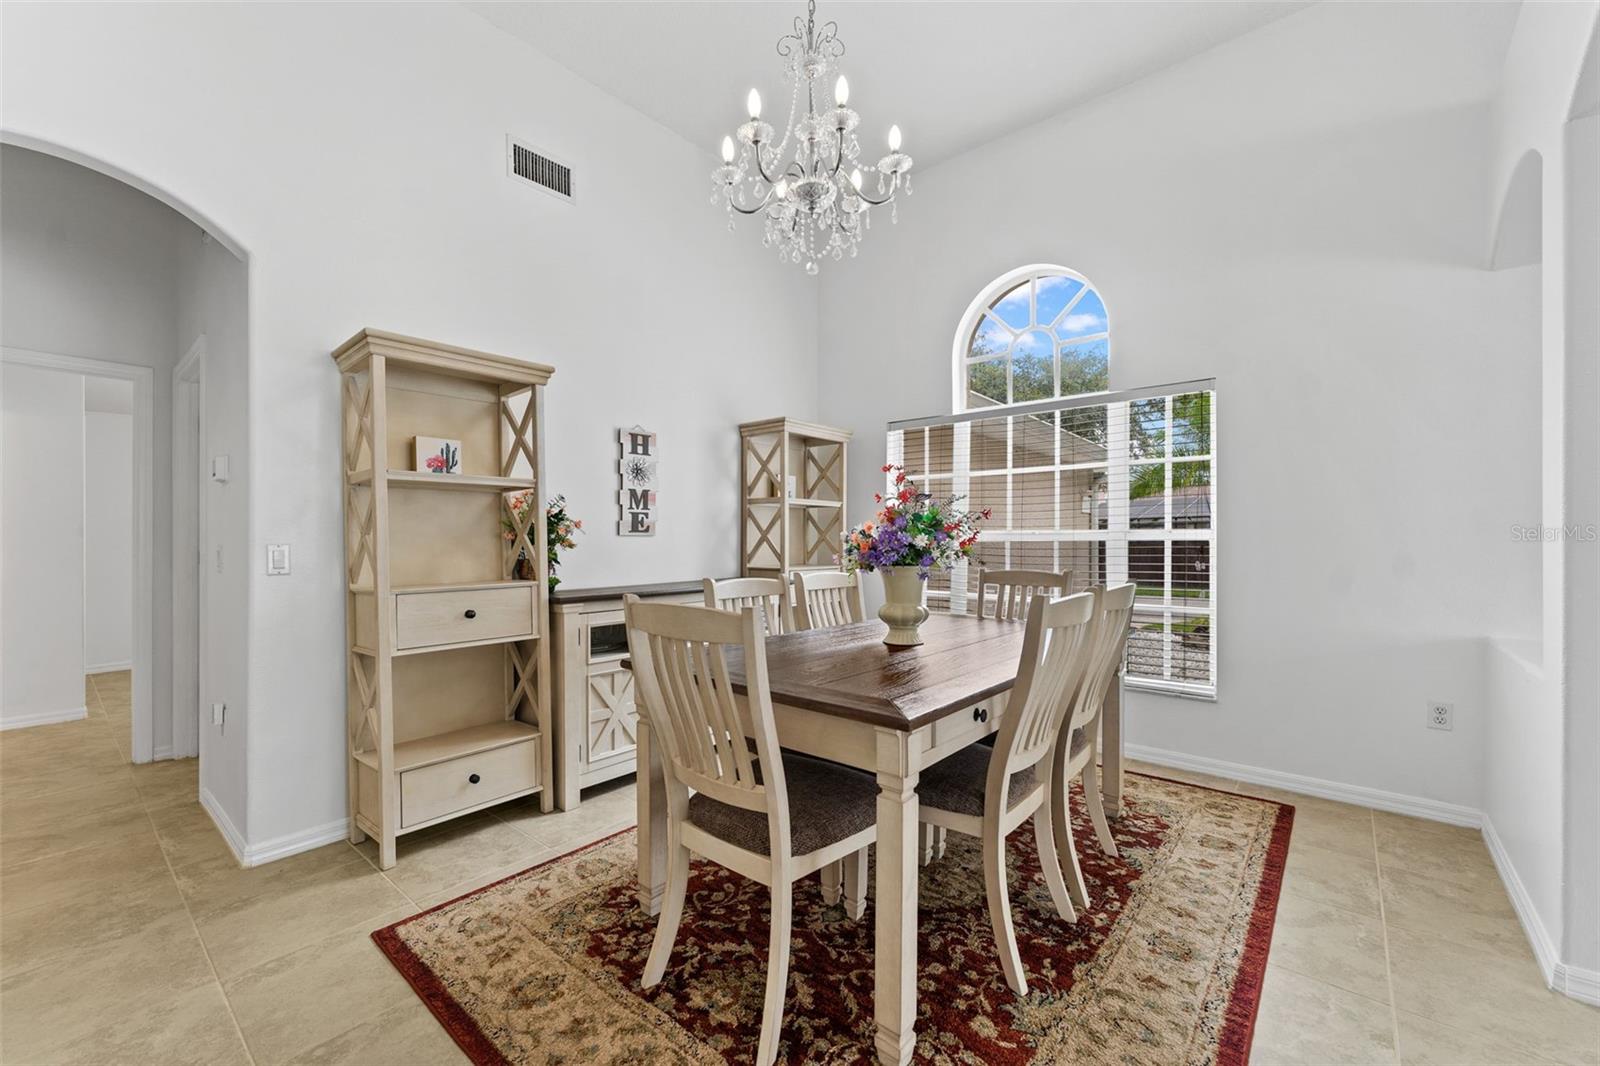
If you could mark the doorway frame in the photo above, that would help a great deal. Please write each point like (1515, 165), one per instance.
(143, 532)
(189, 586)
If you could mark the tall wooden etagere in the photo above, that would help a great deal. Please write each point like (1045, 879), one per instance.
(449, 690)
(781, 531)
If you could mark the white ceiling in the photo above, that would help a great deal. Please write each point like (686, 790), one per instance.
(953, 75)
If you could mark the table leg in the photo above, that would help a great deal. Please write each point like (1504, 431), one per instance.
(1111, 748)
(652, 802)
(895, 962)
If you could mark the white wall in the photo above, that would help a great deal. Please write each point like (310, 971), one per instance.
(367, 197)
(1519, 806)
(1297, 214)
(41, 499)
(87, 269)
(212, 308)
(1539, 108)
(108, 564)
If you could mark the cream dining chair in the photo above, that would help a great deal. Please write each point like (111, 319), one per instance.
(825, 598)
(769, 595)
(1078, 747)
(771, 816)
(987, 792)
(1015, 590)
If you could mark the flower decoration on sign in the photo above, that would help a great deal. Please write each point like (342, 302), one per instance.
(638, 471)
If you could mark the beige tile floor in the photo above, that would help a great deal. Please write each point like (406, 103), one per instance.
(128, 934)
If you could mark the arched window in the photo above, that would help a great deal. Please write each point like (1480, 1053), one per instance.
(1034, 334)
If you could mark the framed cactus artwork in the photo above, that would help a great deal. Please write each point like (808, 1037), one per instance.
(436, 455)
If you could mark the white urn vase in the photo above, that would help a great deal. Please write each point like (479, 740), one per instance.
(903, 610)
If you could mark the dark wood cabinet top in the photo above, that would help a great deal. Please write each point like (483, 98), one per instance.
(848, 671)
(616, 592)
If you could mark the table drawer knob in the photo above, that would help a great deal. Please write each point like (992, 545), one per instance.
(471, 613)
(473, 779)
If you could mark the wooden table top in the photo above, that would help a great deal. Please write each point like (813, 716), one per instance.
(848, 671)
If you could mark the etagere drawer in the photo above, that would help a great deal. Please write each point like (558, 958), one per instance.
(430, 792)
(428, 619)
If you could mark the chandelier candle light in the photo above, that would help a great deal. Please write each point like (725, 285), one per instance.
(914, 535)
(809, 188)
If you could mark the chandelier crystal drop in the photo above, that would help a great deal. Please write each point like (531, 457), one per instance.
(814, 195)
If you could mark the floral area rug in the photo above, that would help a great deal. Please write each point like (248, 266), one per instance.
(1164, 967)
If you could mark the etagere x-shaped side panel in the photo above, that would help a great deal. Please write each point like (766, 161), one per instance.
(785, 528)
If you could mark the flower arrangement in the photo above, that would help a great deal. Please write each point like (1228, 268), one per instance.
(913, 530)
(558, 527)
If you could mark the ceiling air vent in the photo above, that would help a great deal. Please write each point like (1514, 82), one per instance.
(529, 164)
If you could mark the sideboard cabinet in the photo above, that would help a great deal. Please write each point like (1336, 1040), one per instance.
(594, 712)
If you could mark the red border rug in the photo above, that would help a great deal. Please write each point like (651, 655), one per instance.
(1165, 966)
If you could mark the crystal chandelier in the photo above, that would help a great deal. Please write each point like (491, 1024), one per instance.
(813, 196)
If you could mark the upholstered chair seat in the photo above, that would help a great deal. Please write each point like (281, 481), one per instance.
(957, 783)
(827, 803)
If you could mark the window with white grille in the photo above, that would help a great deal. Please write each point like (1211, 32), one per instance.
(1111, 486)
(1037, 333)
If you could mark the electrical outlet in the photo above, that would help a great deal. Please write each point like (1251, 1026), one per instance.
(219, 711)
(1441, 715)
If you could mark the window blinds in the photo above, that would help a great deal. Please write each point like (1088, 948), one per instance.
(1112, 487)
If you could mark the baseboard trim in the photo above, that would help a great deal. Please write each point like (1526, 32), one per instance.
(230, 834)
(294, 843)
(1544, 948)
(1360, 795)
(277, 848)
(25, 721)
(108, 668)
(1578, 983)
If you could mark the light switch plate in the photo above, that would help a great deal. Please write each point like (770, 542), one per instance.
(277, 560)
(219, 468)
(218, 712)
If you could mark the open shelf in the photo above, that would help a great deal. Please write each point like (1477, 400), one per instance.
(416, 479)
(441, 747)
(434, 649)
(794, 501)
(470, 586)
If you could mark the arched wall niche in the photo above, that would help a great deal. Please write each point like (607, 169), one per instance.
(1519, 225)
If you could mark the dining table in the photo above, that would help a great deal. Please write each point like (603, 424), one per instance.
(840, 693)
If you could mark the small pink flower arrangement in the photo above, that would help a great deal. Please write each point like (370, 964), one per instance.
(558, 527)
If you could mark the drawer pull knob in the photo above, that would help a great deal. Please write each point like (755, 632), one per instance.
(471, 613)
(473, 779)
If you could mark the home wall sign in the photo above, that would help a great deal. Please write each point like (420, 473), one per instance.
(638, 473)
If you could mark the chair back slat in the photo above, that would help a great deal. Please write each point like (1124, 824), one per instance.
(680, 669)
(825, 598)
(1055, 657)
(768, 595)
(1113, 619)
(1015, 590)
